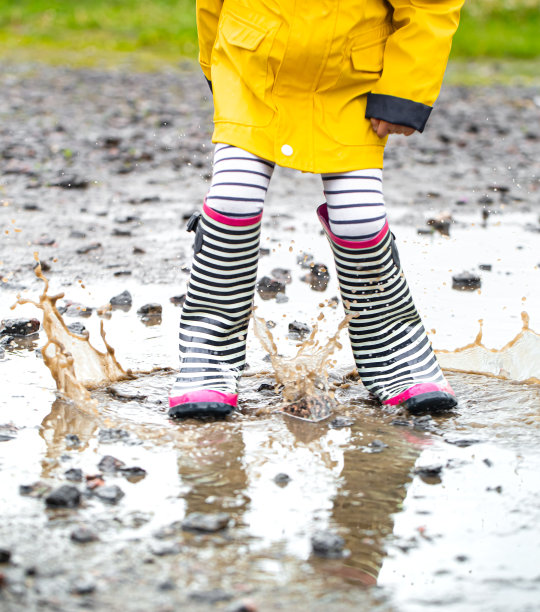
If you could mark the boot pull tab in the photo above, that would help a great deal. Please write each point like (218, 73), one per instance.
(193, 222)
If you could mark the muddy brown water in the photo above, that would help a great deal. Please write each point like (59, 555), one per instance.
(437, 513)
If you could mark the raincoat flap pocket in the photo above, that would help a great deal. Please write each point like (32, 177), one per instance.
(367, 49)
(241, 34)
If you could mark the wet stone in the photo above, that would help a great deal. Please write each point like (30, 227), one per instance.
(36, 489)
(206, 523)
(264, 251)
(268, 288)
(298, 330)
(327, 544)
(441, 224)
(78, 329)
(212, 596)
(73, 309)
(83, 535)
(178, 300)
(150, 310)
(77, 234)
(133, 474)
(72, 440)
(341, 421)
(83, 586)
(282, 479)
(377, 446)
(462, 442)
(318, 277)
(109, 494)
(400, 423)
(485, 267)
(7, 433)
(310, 408)
(93, 246)
(117, 231)
(19, 327)
(466, 281)
(161, 549)
(281, 298)
(66, 496)
(110, 464)
(107, 436)
(125, 393)
(72, 181)
(74, 475)
(429, 471)
(282, 275)
(122, 299)
(5, 555)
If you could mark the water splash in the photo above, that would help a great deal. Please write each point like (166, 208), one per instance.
(74, 363)
(303, 378)
(518, 360)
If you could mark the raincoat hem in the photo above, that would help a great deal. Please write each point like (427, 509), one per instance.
(354, 157)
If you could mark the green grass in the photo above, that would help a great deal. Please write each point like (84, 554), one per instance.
(149, 34)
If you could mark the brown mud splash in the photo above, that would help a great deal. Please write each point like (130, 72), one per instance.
(303, 378)
(74, 363)
(518, 360)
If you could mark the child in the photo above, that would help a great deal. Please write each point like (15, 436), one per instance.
(315, 85)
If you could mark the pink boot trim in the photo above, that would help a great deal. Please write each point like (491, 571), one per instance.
(221, 218)
(322, 213)
(418, 390)
(204, 395)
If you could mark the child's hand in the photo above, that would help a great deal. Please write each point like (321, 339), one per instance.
(383, 128)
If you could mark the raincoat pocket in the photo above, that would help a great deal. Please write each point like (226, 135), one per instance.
(344, 118)
(240, 70)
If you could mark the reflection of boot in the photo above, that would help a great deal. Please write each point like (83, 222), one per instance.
(392, 352)
(215, 315)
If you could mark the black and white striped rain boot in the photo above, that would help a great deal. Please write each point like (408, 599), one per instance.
(392, 352)
(216, 313)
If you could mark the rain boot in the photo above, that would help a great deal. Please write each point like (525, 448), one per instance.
(215, 314)
(392, 352)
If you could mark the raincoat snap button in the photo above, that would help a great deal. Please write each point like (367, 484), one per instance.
(287, 150)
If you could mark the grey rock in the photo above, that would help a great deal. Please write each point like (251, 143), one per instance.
(428, 471)
(178, 300)
(74, 475)
(318, 277)
(466, 281)
(281, 298)
(109, 494)
(152, 309)
(212, 596)
(78, 329)
(66, 496)
(298, 330)
(19, 327)
(72, 440)
(282, 479)
(106, 436)
(161, 549)
(122, 299)
(327, 544)
(206, 523)
(133, 474)
(282, 275)
(462, 442)
(93, 246)
(83, 535)
(84, 585)
(110, 464)
(268, 287)
(5, 555)
(305, 260)
(341, 421)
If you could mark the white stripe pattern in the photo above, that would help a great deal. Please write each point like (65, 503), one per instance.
(390, 346)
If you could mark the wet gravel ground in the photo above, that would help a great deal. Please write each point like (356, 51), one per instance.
(125, 510)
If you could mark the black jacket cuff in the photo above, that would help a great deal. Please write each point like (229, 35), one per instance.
(398, 110)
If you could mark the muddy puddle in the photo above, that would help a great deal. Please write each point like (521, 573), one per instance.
(368, 509)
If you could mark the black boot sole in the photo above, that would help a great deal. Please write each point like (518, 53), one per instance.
(200, 409)
(433, 402)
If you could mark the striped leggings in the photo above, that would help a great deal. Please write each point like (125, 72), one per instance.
(355, 200)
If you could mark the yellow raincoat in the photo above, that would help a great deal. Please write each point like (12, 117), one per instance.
(295, 81)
